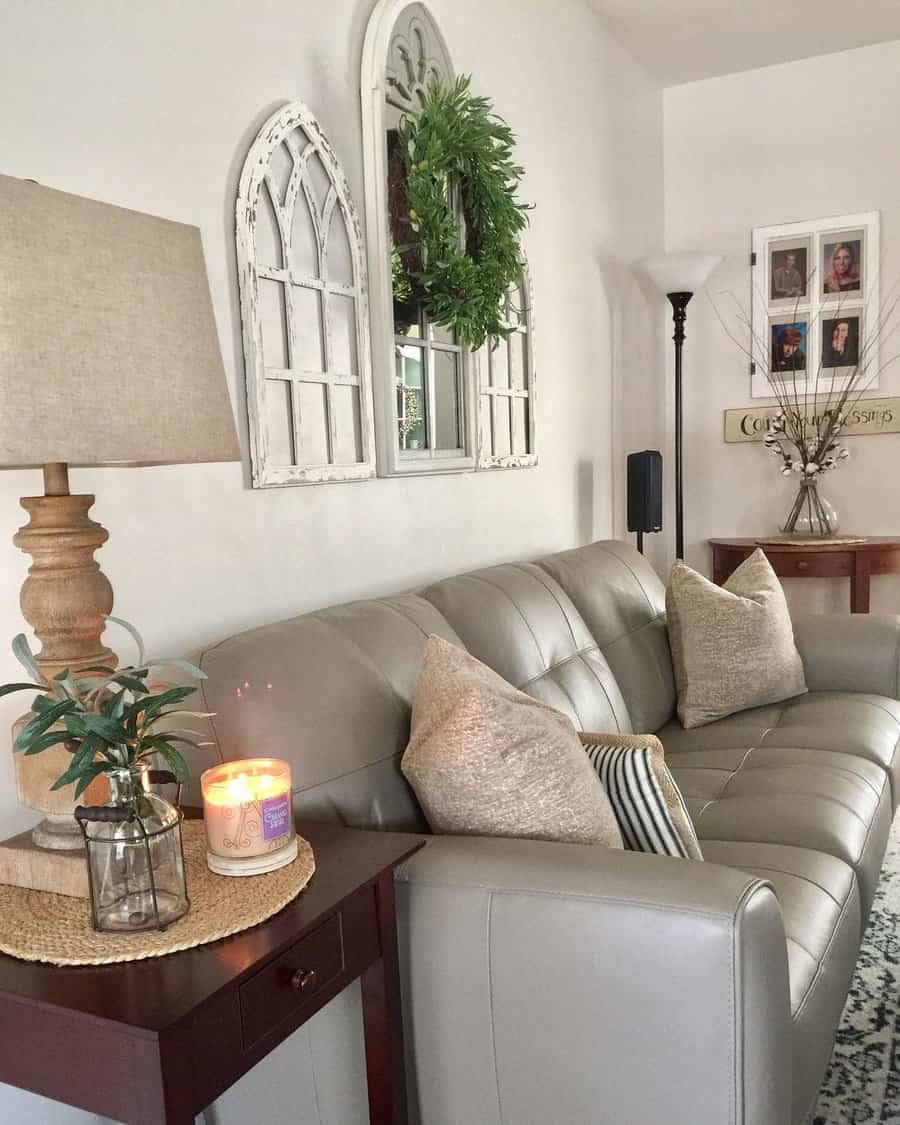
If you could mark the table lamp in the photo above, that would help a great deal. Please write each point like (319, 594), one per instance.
(108, 357)
(679, 276)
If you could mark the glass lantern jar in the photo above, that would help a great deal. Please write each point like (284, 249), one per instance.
(134, 854)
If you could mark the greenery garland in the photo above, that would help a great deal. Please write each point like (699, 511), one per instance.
(457, 148)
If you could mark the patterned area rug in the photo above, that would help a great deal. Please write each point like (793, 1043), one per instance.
(862, 1086)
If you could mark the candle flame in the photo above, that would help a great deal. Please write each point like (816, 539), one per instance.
(244, 788)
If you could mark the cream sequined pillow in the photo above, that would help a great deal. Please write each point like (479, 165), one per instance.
(487, 760)
(732, 645)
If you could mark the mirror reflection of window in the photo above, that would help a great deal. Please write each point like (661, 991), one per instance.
(506, 387)
(411, 410)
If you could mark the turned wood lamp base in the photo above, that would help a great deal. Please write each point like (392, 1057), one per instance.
(65, 599)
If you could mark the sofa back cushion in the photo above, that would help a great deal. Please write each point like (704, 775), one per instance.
(519, 621)
(623, 604)
(343, 679)
(331, 693)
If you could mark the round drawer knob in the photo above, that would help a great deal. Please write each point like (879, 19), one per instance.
(802, 564)
(304, 980)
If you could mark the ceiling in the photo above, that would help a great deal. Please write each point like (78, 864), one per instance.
(684, 40)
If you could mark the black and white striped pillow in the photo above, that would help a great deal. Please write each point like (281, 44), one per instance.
(646, 801)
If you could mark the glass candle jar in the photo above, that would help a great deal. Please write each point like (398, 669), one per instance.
(249, 817)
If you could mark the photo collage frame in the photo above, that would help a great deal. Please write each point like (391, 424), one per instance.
(813, 285)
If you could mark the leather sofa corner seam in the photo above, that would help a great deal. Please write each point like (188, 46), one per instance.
(579, 896)
(490, 969)
(821, 961)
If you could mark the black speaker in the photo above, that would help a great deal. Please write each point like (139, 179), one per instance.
(645, 492)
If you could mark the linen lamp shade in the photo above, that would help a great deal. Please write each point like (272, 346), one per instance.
(108, 346)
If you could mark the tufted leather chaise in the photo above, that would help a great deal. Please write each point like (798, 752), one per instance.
(555, 984)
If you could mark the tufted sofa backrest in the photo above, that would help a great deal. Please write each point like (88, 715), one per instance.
(342, 685)
(517, 619)
(623, 604)
(332, 691)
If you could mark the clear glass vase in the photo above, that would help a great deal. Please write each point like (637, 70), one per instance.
(811, 513)
(135, 856)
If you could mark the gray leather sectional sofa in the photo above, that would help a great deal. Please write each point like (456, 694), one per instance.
(556, 984)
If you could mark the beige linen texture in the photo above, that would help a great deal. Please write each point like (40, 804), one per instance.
(732, 645)
(109, 352)
(487, 760)
(671, 794)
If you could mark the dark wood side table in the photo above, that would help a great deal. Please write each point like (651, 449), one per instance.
(857, 561)
(154, 1042)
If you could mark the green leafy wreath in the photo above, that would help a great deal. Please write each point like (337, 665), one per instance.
(457, 154)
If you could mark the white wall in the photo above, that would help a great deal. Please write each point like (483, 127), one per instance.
(797, 141)
(153, 106)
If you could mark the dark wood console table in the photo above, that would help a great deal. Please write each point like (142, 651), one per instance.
(154, 1042)
(857, 561)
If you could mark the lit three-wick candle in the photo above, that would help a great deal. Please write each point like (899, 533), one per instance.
(248, 815)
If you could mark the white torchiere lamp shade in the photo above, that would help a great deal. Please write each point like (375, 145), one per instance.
(109, 356)
(679, 276)
(680, 273)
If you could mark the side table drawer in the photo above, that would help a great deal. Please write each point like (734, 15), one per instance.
(823, 564)
(288, 982)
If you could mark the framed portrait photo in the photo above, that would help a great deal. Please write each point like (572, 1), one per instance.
(789, 271)
(841, 335)
(789, 346)
(811, 284)
(842, 263)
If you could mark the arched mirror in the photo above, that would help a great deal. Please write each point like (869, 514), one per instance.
(302, 273)
(439, 407)
(424, 393)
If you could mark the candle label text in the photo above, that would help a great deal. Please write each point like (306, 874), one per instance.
(276, 813)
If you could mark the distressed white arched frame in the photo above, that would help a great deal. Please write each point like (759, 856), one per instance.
(304, 309)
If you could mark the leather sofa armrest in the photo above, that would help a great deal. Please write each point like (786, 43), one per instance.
(561, 982)
(851, 652)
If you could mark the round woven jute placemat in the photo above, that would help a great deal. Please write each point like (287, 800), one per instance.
(35, 926)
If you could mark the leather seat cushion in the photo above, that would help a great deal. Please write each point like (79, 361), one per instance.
(820, 904)
(833, 803)
(866, 726)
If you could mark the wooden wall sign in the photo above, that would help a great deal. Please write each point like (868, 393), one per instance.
(869, 416)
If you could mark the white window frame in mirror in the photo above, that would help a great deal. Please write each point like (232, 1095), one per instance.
(497, 396)
(396, 28)
(295, 135)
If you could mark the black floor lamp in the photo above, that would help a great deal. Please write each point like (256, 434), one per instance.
(679, 276)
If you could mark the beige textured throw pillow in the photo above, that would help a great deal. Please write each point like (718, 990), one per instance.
(732, 645)
(487, 760)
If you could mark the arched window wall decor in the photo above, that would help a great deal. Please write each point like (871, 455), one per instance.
(304, 309)
(438, 406)
(423, 386)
